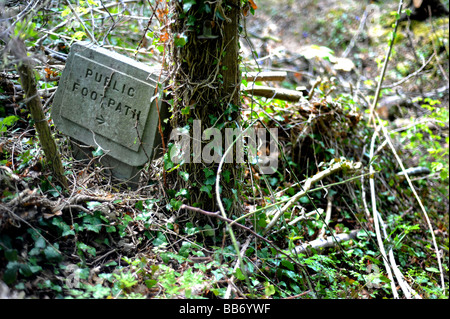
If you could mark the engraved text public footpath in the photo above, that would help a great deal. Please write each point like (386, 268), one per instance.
(108, 102)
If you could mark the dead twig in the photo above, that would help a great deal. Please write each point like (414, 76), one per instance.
(411, 75)
(376, 219)
(425, 214)
(385, 64)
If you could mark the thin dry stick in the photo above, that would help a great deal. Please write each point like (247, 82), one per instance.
(363, 193)
(376, 221)
(383, 72)
(358, 33)
(406, 288)
(220, 204)
(411, 75)
(89, 34)
(386, 135)
(327, 216)
(404, 285)
(241, 254)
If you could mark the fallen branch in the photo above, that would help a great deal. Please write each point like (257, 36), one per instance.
(407, 101)
(265, 76)
(31, 197)
(273, 93)
(419, 170)
(322, 243)
(336, 167)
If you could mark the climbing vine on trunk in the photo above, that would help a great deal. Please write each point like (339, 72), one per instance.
(205, 83)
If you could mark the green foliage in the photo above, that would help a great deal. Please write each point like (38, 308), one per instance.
(421, 137)
(76, 253)
(6, 122)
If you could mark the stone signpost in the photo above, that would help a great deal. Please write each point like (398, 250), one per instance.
(108, 100)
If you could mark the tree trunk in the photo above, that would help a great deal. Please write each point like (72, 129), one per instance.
(421, 9)
(205, 85)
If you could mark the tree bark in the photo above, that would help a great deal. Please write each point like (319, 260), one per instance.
(206, 87)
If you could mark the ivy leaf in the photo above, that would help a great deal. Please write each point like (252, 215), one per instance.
(239, 274)
(287, 264)
(432, 269)
(90, 250)
(186, 110)
(228, 202)
(10, 275)
(211, 180)
(191, 21)
(92, 223)
(180, 40)
(207, 189)
(208, 172)
(52, 254)
(11, 255)
(184, 176)
(159, 240)
(91, 205)
(66, 230)
(187, 5)
(97, 152)
(269, 289)
(226, 176)
(176, 204)
(40, 243)
(209, 231)
(183, 192)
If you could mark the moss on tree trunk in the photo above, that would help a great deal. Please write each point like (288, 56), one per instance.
(34, 105)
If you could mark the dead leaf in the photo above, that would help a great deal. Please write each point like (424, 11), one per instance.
(343, 64)
(57, 213)
(253, 4)
(164, 37)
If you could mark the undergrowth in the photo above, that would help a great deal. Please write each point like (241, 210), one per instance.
(102, 240)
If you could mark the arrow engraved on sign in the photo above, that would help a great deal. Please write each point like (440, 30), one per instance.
(100, 119)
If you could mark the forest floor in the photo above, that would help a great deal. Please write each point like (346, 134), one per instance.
(102, 240)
